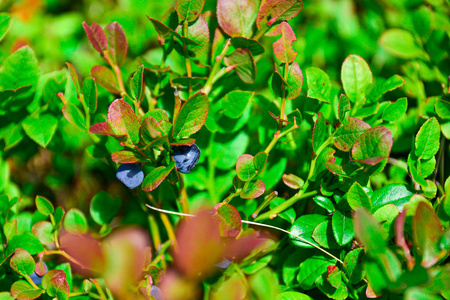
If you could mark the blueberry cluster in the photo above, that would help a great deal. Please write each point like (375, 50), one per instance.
(156, 293)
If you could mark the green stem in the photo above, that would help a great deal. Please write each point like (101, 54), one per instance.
(278, 136)
(260, 32)
(116, 70)
(30, 281)
(285, 205)
(218, 60)
(99, 289)
(187, 59)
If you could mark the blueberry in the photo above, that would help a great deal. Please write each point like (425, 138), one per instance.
(224, 263)
(186, 157)
(156, 293)
(36, 278)
(130, 174)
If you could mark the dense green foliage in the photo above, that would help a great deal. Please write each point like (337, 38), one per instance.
(324, 131)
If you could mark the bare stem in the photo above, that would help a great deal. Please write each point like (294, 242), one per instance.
(218, 60)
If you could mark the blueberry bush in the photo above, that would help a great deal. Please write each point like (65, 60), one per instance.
(192, 149)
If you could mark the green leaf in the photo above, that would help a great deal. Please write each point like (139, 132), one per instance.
(373, 145)
(126, 157)
(393, 82)
(25, 241)
(320, 132)
(395, 110)
(75, 221)
(349, 132)
(357, 197)
(323, 235)
(241, 60)
(304, 228)
(6, 296)
(353, 265)
(137, 84)
(90, 94)
(40, 128)
(292, 296)
(442, 109)
(356, 77)
(397, 194)
(401, 43)
(20, 69)
(59, 214)
(426, 231)
(427, 139)
(254, 189)
(123, 120)
(236, 17)
(342, 227)
(235, 102)
(290, 88)
(325, 203)
(245, 168)
(228, 220)
(58, 287)
(117, 41)
(319, 84)
(386, 216)
(338, 290)
(44, 206)
(368, 231)
(343, 107)
(74, 115)
(22, 290)
(43, 230)
(311, 269)
(264, 284)
(191, 117)
(275, 10)
(189, 10)
(5, 22)
(156, 176)
(105, 78)
(241, 42)
(103, 208)
(22, 262)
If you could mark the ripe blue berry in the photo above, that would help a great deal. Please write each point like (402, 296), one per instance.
(156, 293)
(224, 263)
(130, 174)
(186, 157)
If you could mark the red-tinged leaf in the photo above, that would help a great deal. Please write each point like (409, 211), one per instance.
(228, 220)
(185, 142)
(242, 61)
(283, 47)
(245, 168)
(126, 251)
(125, 157)
(123, 120)
(86, 250)
(293, 181)
(103, 128)
(75, 80)
(106, 78)
(277, 10)
(348, 133)
(73, 114)
(118, 45)
(151, 129)
(50, 275)
(197, 39)
(400, 238)
(156, 176)
(191, 117)
(426, 231)
(22, 262)
(58, 287)
(22, 290)
(199, 246)
(290, 88)
(373, 146)
(96, 36)
(254, 190)
(236, 17)
(189, 10)
(43, 230)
